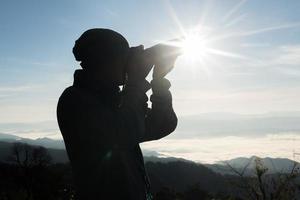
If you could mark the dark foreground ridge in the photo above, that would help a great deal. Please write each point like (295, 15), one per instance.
(46, 174)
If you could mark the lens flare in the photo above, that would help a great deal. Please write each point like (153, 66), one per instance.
(194, 46)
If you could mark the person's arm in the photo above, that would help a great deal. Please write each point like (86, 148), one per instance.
(161, 119)
(130, 117)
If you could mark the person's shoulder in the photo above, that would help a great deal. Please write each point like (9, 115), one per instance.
(70, 94)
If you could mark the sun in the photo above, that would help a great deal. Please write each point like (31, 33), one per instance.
(194, 46)
(209, 44)
(201, 45)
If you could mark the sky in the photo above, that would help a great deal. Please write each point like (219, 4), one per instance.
(241, 96)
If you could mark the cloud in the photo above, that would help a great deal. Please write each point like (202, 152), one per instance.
(32, 130)
(255, 45)
(18, 61)
(267, 81)
(212, 125)
(284, 56)
(236, 20)
(247, 33)
(268, 29)
(111, 12)
(19, 88)
(32, 110)
(211, 150)
(236, 100)
(288, 55)
(233, 11)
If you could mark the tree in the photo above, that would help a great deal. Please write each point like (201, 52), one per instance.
(31, 175)
(263, 186)
(27, 156)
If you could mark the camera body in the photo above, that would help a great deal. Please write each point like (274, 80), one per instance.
(162, 53)
(141, 61)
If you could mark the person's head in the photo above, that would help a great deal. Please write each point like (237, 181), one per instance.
(103, 54)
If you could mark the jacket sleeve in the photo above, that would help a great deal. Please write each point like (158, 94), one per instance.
(161, 119)
(130, 124)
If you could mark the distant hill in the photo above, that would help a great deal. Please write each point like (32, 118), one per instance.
(274, 165)
(224, 124)
(60, 155)
(173, 173)
(57, 151)
(164, 159)
(45, 142)
(180, 175)
(57, 145)
(4, 136)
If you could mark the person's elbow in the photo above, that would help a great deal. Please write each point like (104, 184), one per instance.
(164, 126)
(171, 123)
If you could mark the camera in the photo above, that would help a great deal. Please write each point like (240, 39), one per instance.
(163, 53)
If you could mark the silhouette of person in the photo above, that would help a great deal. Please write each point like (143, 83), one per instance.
(103, 126)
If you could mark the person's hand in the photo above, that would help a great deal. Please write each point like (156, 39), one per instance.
(164, 57)
(163, 67)
(138, 65)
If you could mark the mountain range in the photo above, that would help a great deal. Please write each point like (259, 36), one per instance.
(274, 165)
(57, 151)
(45, 142)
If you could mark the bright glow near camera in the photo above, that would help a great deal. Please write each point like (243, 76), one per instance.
(201, 46)
(194, 47)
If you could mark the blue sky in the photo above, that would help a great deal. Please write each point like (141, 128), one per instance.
(36, 62)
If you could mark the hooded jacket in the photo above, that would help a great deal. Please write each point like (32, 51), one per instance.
(102, 129)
